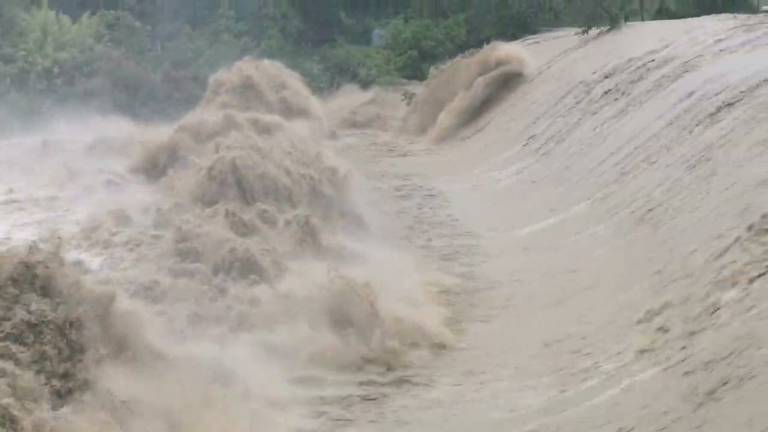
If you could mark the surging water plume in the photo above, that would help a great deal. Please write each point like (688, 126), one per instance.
(463, 89)
(245, 265)
(47, 319)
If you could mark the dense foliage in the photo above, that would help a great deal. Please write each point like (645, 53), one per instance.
(150, 58)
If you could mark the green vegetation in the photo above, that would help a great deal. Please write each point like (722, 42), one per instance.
(151, 58)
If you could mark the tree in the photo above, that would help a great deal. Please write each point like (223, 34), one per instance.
(595, 13)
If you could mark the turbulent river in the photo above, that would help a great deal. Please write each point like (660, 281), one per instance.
(560, 234)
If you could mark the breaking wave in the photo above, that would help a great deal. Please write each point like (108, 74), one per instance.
(245, 266)
(460, 91)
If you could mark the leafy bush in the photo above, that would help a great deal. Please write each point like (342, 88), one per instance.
(597, 13)
(665, 11)
(153, 58)
(358, 64)
(51, 50)
(110, 60)
(169, 78)
(122, 32)
(488, 21)
(416, 45)
(10, 12)
(690, 8)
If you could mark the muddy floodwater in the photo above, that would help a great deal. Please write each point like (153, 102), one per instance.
(567, 233)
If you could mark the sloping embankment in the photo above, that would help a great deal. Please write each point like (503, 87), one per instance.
(620, 193)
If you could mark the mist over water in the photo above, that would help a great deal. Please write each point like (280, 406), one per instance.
(580, 247)
(203, 272)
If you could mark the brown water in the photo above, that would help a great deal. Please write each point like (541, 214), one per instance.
(569, 237)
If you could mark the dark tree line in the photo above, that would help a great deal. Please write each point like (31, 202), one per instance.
(151, 58)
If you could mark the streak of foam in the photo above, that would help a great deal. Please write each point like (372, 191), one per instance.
(546, 223)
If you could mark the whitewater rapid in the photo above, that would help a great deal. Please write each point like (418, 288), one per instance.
(568, 233)
(231, 268)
